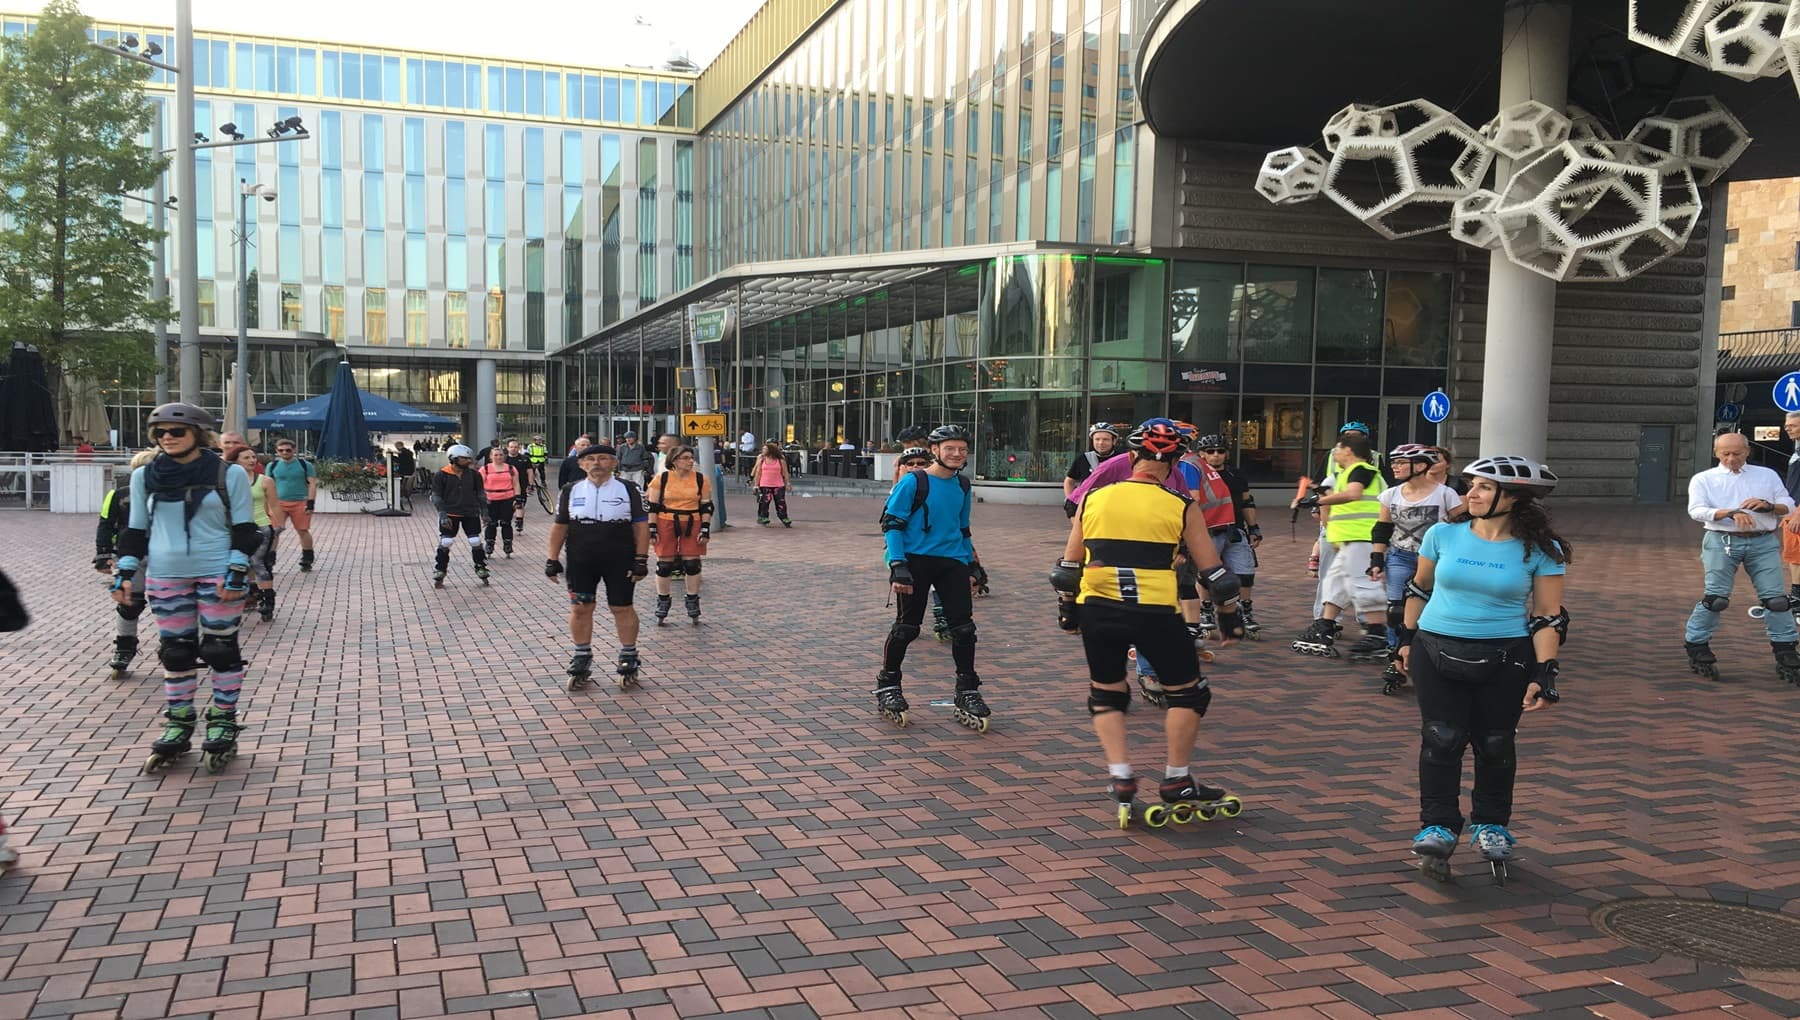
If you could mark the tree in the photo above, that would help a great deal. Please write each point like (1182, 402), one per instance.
(76, 271)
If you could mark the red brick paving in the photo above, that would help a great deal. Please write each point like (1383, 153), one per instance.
(425, 824)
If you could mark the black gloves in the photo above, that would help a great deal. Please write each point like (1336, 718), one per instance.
(900, 573)
(1544, 675)
(1377, 561)
(1068, 614)
(1066, 576)
(979, 575)
(1231, 623)
(705, 531)
(309, 505)
(103, 563)
(553, 568)
(640, 569)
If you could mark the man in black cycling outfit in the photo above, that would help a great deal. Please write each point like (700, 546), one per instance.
(602, 523)
(521, 462)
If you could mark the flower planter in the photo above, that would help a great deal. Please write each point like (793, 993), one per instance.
(330, 502)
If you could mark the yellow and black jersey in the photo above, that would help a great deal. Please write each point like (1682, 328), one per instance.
(1132, 531)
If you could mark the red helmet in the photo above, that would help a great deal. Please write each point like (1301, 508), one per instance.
(1156, 440)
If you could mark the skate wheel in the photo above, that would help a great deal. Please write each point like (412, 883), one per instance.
(1156, 816)
(116, 674)
(1252, 635)
(1435, 868)
(1207, 656)
(1230, 807)
(1182, 813)
(1124, 816)
(977, 723)
(156, 764)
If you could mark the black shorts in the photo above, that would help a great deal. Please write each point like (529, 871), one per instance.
(585, 575)
(1162, 639)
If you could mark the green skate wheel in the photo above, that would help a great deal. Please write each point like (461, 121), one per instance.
(1230, 807)
(1181, 813)
(1156, 816)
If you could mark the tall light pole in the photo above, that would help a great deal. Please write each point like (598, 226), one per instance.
(159, 269)
(188, 262)
(247, 194)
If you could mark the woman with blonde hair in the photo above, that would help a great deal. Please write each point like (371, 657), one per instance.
(265, 510)
(681, 508)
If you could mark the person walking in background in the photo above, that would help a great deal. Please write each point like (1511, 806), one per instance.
(406, 465)
(571, 465)
(746, 450)
(297, 486)
(634, 460)
(521, 462)
(770, 472)
(501, 483)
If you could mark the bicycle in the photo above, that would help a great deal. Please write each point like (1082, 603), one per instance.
(543, 498)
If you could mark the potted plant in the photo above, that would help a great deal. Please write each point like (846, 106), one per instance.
(348, 486)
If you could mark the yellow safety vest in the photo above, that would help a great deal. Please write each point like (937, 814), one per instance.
(538, 454)
(1354, 521)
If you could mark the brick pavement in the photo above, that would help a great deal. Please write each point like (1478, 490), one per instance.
(423, 823)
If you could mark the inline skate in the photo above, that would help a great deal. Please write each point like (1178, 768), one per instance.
(939, 627)
(1252, 629)
(1124, 794)
(969, 708)
(1392, 680)
(265, 604)
(481, 571)
(1495, 845)
(1371, 647)
(889, 702)
(306, 561)
(1185, 799)
(8, 856)
(1319, 639)
(629, 668)
(437, 577)
(1701, 659)
(220, 746)
(692, 604)
(580, 666)
(1433, 846)
(124, 650)
(1209, 621)
(663, 602)
(1148, 684)
(1787, 661)
(177, 738)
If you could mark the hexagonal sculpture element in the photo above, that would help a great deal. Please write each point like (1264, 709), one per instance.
(1698, 130)
(1358, 120)
(1579, 212)
(1291, 176)
(1524, 130)
(1790, 42)
(1405, 184)
(1744, 40)
(1679, 31)
(1472, 219)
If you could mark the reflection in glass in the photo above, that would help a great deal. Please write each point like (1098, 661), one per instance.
(1277, 310)
(1349, 317)
(1203, 311)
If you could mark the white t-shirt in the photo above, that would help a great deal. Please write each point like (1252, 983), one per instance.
(1413, 518)
(747, 443)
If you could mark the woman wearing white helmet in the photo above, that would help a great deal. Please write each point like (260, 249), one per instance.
(1408, 510)
(1484, 621)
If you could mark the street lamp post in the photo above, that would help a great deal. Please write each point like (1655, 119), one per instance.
(247, 193)
(159, 270)
(188, 213)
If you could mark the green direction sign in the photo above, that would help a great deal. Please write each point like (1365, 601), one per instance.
(709, 326)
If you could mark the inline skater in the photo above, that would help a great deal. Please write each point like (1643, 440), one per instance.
(1351, 510)
(1116, 583)
(191, 517)
(602, 522)
(681, 500)
(297, 486)
(266, 512)
(521, 462)
(770, 473)
(1484, 622)
(918, 458)
(925, 527)
(1408, 510)
(115, 515)
(1103, 444)
(1320, 564)
(456, 492)
(1237, 550)
(503, 487)
(1741, 507)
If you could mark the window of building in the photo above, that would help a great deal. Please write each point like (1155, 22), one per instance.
(1277, 314)
(1731, 235)
(375, 316)
(495, 320)
(208, 296)
(290, 306)
(1793, 314)
(1416, 319)
(1728, 292)
(456, 320)
(331, 312)
(418, 320)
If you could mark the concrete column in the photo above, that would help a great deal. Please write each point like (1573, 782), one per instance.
(1521, 307)
(484, 410)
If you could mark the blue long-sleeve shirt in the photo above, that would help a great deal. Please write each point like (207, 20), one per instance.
(201, 549)
(946, 506)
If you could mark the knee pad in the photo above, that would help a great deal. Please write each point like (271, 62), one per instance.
(691, 567)
(220, 651)
(1197, 696)
(1777, 604)
(446, 541)
(130, 611)
(179, 655)
(963, 633)
(665, 568)
(1102, 701)
(903, 634)
(474, 540)
(1496, 749)
(1396, 614)
(1442, 744)
(1715, 603)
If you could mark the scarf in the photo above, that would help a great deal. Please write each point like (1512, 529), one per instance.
(167, 480)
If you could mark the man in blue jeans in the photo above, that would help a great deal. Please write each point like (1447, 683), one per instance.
(1741, 506)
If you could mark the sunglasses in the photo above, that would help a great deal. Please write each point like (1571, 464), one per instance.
(173, 432)
(915, 462)
(1211, 449)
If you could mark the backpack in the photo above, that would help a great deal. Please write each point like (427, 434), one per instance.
(662, 490)
(218, 486)
(921, 486)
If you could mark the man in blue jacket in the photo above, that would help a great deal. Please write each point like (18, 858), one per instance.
(928, 546)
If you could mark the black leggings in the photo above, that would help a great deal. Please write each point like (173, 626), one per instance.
(951, 580)
(1462, 706)
(500, 515)
(764, 494)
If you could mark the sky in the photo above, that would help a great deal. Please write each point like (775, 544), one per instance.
(610, 33)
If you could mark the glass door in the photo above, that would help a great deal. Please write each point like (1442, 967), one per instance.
(1401, 422)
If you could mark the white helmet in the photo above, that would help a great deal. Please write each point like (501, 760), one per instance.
(1510, 472)
(459, 450)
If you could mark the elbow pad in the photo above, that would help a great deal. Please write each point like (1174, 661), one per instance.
(1382, 533)
(1413, 591)
(891, 523)
(245, 538)
(1223, 584)
(134, 543)
(1249, 501)
(1560, 621)
(706, 507)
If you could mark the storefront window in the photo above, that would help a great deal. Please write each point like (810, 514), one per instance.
(1128, 307)
(1417, 325)
(1277, 313)
(1041, 305)
(1028, 436)
(1126, 391)
(1350, 309)
(1204, 312)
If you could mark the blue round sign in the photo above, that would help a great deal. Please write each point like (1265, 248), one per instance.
(1787, 392)
(1436, 406)
(1729, 412)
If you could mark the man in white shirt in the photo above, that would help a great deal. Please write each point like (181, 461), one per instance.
(746, 449)
(1741, 507)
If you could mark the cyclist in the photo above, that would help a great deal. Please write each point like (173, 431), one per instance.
(539, 455)
(456, 492)
(601, 521)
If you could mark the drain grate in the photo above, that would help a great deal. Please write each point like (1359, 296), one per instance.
(1703, 930)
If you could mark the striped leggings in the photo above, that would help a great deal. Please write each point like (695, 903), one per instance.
(194, 622)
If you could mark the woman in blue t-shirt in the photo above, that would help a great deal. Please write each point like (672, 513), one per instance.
(1484, 621)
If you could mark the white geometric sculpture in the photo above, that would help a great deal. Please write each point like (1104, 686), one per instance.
(1358, 120)
(1790, 41)
(1699, 131)
(1472, 220)
(1682, 36)
(1744, 40)
(1291, 176)
(1524, 130)
(1579, 212)
(1585, 127)
(1404, 184)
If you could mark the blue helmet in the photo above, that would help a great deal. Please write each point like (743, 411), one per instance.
(1355, 426)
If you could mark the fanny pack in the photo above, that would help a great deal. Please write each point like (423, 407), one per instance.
(1464, 661)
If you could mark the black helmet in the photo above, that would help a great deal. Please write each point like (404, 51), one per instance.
(911, 434)
(182, 414)
(1210, 442)
(946, 433)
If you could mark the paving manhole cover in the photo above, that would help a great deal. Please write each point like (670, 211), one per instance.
(1703, 930)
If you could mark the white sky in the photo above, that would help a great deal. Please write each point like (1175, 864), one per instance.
(583, 32)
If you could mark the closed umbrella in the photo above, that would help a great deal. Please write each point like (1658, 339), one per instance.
(233, 421)
(27, 411)
(84, 409)
(344, 436)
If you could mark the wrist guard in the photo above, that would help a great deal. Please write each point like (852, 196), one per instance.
(1544, 675)
(1377, 561)
(1254, 530)
(899, 573)
(1403, 635)
(1231, 622)
(640, 568)
(103, 563)
(1066, 576)
(978, 574)
(309, 505)
(235, 578)
(553, 568)
(706, 531)
(121, 578)
(1068, 614)
(1223, 584)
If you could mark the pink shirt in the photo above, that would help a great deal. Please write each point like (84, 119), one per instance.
(1118, 469)
(768, 476)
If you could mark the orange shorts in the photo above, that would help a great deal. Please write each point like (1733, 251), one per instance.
(298, 516)
(678, 538)
(1790, 543)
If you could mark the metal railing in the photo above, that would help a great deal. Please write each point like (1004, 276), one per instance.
(25, 477)
(1759, 343)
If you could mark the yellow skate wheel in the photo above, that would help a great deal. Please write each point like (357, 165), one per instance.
(1204, 812)
(1124, 816)
(1156, 816)
(1230, 807)
(1181, 813)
